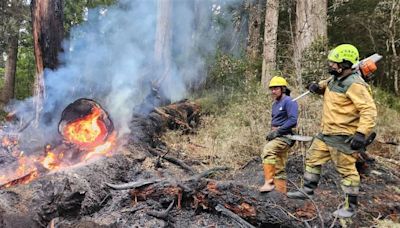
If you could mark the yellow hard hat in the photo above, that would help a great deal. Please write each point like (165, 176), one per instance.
(344, 52)
(277, 81)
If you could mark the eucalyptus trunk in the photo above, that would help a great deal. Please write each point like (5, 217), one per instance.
(163, 40)
(253, 39)
(48, 33)
(10, 68)
(270, 41)
(311, 24)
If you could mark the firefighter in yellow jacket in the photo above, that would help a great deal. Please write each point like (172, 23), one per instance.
(349, 115)
(275, 153)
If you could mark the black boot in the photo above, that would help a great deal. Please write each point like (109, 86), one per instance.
(307, 191)
(349, 208)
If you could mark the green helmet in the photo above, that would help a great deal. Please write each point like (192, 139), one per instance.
(344, 52)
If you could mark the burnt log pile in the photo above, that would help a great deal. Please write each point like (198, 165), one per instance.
(146, 184)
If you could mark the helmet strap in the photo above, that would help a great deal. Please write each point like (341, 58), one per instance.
(345, 64)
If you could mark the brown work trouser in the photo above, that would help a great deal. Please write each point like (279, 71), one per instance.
(275, 152)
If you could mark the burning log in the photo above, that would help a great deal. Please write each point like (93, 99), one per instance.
(88, 131)
(21, 180)
(85, 124)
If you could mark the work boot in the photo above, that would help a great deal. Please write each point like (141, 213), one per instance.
(349, 208)
(269, 172)
(280, 185)
(307, 191)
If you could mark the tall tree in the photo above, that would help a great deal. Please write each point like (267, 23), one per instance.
(394, 17)
(270, 41)
(253, 39)
(13, 13)
(311, 24)
(163, 40)
(10, 68)
(48, 33)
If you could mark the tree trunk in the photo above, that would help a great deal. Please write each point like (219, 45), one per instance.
(311, 23)
(163, 43)
(48, 33)
(270, 41)
(253, 39)
(10, 68)
(395, 9)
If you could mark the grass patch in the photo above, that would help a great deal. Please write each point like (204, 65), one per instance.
(232, 136)
(386, 223)
(237, 115)
(234, 125)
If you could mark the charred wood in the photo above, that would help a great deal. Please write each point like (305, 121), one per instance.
(172, 159)
(180, 115)
(238, 219)
(130, 185)
(162, 214)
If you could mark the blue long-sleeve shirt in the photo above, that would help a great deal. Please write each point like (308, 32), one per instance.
(284, 115)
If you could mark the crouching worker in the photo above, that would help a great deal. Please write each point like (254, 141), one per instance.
(275, 152)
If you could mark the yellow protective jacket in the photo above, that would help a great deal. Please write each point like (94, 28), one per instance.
(348, 106)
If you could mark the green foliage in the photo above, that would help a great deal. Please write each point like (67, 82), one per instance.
(74, 10)
(227, 71)
(25, 73)
(366, 24)
(386, 99)
(315, 61)
(2, 114)
(227, 81)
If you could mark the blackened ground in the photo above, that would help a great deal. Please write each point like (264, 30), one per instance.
(81, 196)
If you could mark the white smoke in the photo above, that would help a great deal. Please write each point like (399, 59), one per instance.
(109, 58)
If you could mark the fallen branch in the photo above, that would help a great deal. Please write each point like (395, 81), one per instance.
(249, 162)
(230, 214)
(290, 214)
(388, 142)
(141, 183)
(162, 214)
(171, 159)
(133, 209)
(130, 185)
(336, 217)
(207, 173)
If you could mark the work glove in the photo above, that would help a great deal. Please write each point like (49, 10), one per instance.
(314, 88)
(272, 135)
(358, 141)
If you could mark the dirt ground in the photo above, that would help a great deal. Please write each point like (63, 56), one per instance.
(147, 184)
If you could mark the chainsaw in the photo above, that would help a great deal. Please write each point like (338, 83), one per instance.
(366, 67)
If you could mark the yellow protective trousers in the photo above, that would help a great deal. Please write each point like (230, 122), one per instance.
(275, 152)
(319, 153)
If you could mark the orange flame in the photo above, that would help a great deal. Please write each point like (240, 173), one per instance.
(87, 131)
(103, 149)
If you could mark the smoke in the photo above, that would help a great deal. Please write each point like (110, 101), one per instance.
(111, 58)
